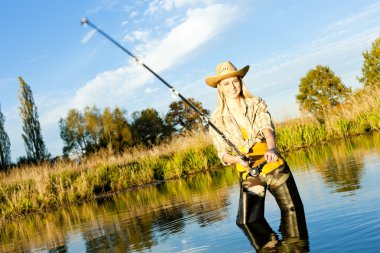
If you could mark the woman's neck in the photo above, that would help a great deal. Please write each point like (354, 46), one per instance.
(234, 104)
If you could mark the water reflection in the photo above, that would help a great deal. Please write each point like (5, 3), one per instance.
(340, 164)
(131, 221)
(144, 219)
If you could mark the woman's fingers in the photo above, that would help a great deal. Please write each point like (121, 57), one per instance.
(271, 156)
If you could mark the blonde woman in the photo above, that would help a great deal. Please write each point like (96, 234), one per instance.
(245, 120)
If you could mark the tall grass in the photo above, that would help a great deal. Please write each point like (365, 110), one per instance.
(358, 115)
(37, 188)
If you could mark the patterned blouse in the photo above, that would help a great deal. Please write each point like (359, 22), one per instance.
(256, 119)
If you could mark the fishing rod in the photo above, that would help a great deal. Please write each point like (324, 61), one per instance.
(255, 171)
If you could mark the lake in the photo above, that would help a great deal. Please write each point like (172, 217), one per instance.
(338, 183)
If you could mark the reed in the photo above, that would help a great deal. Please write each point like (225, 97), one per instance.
(45, 186)
(359, 115)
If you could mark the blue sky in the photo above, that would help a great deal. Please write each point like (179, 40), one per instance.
(68, 66)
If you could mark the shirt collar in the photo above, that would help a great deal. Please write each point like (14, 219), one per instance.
(245, 102)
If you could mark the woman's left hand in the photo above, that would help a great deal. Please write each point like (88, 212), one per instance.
(271, 155)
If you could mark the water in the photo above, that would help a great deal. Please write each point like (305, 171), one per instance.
(338, 184)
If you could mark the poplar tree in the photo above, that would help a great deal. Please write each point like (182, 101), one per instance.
(5, 145)
(32, 136)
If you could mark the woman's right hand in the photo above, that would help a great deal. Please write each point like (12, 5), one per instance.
(241, 162)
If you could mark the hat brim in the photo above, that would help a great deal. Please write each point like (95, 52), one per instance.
(213, 81)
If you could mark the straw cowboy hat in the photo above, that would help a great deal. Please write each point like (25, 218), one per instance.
(225, 70)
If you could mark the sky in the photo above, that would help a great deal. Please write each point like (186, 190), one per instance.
(68, 66)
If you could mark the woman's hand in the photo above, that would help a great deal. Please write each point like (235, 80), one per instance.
(271, 155)
(241, 161)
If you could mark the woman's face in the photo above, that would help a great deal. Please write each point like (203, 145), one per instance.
(231, 87)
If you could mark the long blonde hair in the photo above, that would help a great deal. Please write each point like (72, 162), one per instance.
(244, 93)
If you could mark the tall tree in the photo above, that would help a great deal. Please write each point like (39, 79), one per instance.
(182, 117)
(93, 126)
(148, 127)
(34, 144)
(320, 90)
(371, 66)
(116, 134)
(5, 145)
(73, 133)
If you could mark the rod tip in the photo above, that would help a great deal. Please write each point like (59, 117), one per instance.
(84, 22)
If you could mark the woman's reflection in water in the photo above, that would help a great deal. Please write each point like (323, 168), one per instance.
(293, 228)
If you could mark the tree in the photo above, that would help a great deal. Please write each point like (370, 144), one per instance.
(148, 127)
(93, 127)
(5, 145)
(92, 130)
(371, 66)
(182, 117)
(116, 133)
(73, 133)
(321, 90)
(34, 144)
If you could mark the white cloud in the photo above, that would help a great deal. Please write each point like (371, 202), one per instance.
(370, 11)
(168, 5)
(133, 14)
(277, 78)
(114, 86)
(172, 21)
(88, 36)
(142, 36)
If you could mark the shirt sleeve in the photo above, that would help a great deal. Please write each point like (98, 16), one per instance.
(220, 145)
(263, 117)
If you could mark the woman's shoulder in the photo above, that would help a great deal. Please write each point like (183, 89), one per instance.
(215, 116)
(254, 100)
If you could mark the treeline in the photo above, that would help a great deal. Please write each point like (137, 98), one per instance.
(88, 131)
(92, 130)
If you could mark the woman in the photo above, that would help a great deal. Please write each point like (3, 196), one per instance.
(246, 122)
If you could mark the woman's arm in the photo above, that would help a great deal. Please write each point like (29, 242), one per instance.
(271, 155)
(230, 159)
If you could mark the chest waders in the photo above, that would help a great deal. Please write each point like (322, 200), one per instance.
(251, 220)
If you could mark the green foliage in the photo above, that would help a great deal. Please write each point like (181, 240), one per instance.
(5, 145)
(371, 66)
(148, 127)
(92, 130)
(296, 135)
(116, 134)
(93, 127)
(182, 117)
(319, 91)
(73, 134)
(34, 144)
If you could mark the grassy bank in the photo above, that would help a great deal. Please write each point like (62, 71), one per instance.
(38, 188)
(359, 115)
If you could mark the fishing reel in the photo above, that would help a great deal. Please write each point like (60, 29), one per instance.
(255, 170)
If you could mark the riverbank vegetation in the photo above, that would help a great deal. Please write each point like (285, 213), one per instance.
(112, 162)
